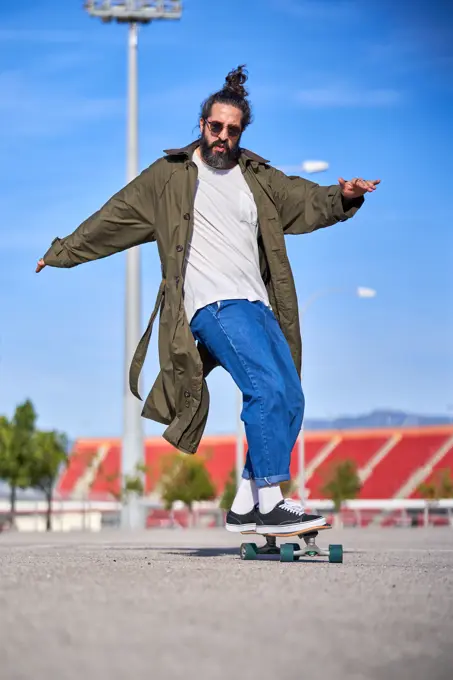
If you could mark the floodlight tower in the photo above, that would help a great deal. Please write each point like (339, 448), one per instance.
(133, 13)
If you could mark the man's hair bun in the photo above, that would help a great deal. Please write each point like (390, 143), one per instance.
(234, 82)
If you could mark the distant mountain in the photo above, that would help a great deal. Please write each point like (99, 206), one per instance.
(376, 419)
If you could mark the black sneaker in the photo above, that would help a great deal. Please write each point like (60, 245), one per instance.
(287, 517)
(238, 523)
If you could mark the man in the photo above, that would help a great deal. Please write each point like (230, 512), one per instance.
(219, 214)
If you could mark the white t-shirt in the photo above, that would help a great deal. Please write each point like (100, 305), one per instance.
(222, 261)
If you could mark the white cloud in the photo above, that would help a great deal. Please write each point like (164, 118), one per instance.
(338, 94)
(306, 167)
(347, 96)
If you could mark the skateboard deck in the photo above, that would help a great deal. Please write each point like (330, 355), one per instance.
(310, 530)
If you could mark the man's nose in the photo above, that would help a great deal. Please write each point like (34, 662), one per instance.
(224, 134)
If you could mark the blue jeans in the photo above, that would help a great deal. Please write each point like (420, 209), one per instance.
(245, 338)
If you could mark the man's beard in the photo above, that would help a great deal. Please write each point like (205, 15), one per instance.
(220, 160)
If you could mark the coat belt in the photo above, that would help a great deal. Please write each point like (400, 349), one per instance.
(140, 353)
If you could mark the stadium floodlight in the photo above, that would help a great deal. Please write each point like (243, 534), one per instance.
(360, 291)
(138, 11)
(132, 12)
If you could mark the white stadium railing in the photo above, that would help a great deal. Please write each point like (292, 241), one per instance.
(94, 515)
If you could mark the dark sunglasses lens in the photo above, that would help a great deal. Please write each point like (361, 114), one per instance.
(234, 131)
(216, 127)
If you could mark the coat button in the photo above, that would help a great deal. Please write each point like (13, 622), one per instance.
(187, 404)
(187, 216)
(187, 394)
(179, 249)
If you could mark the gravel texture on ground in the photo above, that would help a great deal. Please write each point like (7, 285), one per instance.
(170, 604)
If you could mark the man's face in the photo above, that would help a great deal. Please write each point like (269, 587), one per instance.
(220, 136)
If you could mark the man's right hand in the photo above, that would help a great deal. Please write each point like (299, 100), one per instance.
(41, 264)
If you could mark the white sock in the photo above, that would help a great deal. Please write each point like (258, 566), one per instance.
(269, 496)
(246, 497)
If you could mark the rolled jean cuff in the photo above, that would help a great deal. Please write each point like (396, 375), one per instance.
(262, 482)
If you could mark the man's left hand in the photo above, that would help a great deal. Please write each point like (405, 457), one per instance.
(353, 188)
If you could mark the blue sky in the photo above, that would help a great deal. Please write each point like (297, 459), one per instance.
(365, 86)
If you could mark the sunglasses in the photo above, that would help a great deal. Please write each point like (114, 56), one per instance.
(216, 128)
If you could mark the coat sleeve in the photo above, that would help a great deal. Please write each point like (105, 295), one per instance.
(126, 220)
(304, 206)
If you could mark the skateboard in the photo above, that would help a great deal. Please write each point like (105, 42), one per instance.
(291, 552)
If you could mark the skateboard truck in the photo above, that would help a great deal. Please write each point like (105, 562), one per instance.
(311, 549)
(290, 552)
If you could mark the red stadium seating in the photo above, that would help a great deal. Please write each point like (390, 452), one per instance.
(445, 464)
(410, 453)
(79, 461)
(313, 446)
(107, 479)
(360, 450)
(415, 449)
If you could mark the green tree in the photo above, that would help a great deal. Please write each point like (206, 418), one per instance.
(342, 483)
(441, 486)
(16, 451)
(186, 479)
(123, 489)
(49, 455)
(229, 491)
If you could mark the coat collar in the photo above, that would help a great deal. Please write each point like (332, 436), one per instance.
(187, 151)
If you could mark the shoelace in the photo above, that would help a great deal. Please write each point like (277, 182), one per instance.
(292, 506)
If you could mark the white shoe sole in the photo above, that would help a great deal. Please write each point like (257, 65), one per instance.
(289, 528)
(238, 528)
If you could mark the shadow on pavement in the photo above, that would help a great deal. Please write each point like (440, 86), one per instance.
(174, 550)
(203, 552)
(222, 552)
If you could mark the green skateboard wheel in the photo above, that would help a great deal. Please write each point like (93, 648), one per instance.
(249, 551)
(287, 552)
(336, 553)
(296, 546)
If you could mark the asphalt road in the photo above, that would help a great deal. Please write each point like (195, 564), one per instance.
(181, 604)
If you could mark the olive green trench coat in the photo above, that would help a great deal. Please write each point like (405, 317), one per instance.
(158, 206)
